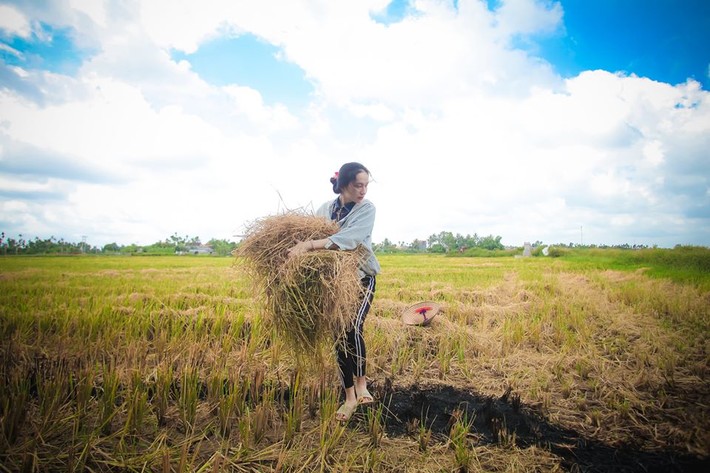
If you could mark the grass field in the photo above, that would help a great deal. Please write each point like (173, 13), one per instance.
(588, 362)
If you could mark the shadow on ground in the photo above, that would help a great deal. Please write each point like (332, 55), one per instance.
(504, 421)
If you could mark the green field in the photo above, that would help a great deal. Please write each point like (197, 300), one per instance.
(593, 361)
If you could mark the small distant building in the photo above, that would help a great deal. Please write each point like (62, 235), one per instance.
(527, 249)
(200, 250)
(419, 245)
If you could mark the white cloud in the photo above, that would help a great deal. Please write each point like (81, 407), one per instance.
(13, 22)
(248, 102)
(95, 9)
(653, 152)
(461, 131)
(18, 186)
(523, 17)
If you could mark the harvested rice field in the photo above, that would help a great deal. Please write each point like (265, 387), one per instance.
(168, 364)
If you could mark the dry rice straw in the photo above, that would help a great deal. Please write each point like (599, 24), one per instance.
(311, 298)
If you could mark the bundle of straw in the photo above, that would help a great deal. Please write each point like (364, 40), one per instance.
(310, 297)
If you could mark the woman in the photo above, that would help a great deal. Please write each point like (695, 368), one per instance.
(356, 216)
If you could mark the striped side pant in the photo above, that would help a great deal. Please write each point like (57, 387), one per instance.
(351, 350)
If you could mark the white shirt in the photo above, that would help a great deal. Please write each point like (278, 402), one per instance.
(355, 230)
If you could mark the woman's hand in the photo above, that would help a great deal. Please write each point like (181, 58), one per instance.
(300, 248)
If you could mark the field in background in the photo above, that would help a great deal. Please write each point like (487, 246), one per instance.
(598, 361)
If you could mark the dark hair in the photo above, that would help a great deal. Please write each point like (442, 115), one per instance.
(346, 175)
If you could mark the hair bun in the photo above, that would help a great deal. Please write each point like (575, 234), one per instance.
(334, 182)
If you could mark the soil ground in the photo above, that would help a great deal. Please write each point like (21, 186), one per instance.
(496, 420)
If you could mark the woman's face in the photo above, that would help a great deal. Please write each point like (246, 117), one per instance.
(356, 190)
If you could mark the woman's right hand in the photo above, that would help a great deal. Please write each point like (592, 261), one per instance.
(299, 248)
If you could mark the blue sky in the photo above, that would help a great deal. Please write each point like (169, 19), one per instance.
(246, 60)
(528, 119)
(665, 40)
(51, 49)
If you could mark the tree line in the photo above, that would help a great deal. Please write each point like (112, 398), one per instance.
(443, 242)
(174, 244)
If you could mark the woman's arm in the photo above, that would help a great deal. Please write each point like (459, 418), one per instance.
(309, 245)
(357, 228)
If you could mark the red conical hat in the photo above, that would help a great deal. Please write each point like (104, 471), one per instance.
(420, 313)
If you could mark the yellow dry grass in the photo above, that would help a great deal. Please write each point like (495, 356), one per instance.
(176, 370)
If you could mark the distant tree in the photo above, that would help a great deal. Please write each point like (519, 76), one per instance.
(491, 243)
(132, 248)
(437, 248)
(180, 243)
(385, 247)
(447, 242)
(222, 247)
(111, 247)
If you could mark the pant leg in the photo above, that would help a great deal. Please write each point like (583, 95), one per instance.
(351, 351)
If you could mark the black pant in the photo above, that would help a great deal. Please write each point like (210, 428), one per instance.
(351, 350)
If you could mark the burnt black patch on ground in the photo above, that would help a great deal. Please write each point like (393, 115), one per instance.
(505, 420)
